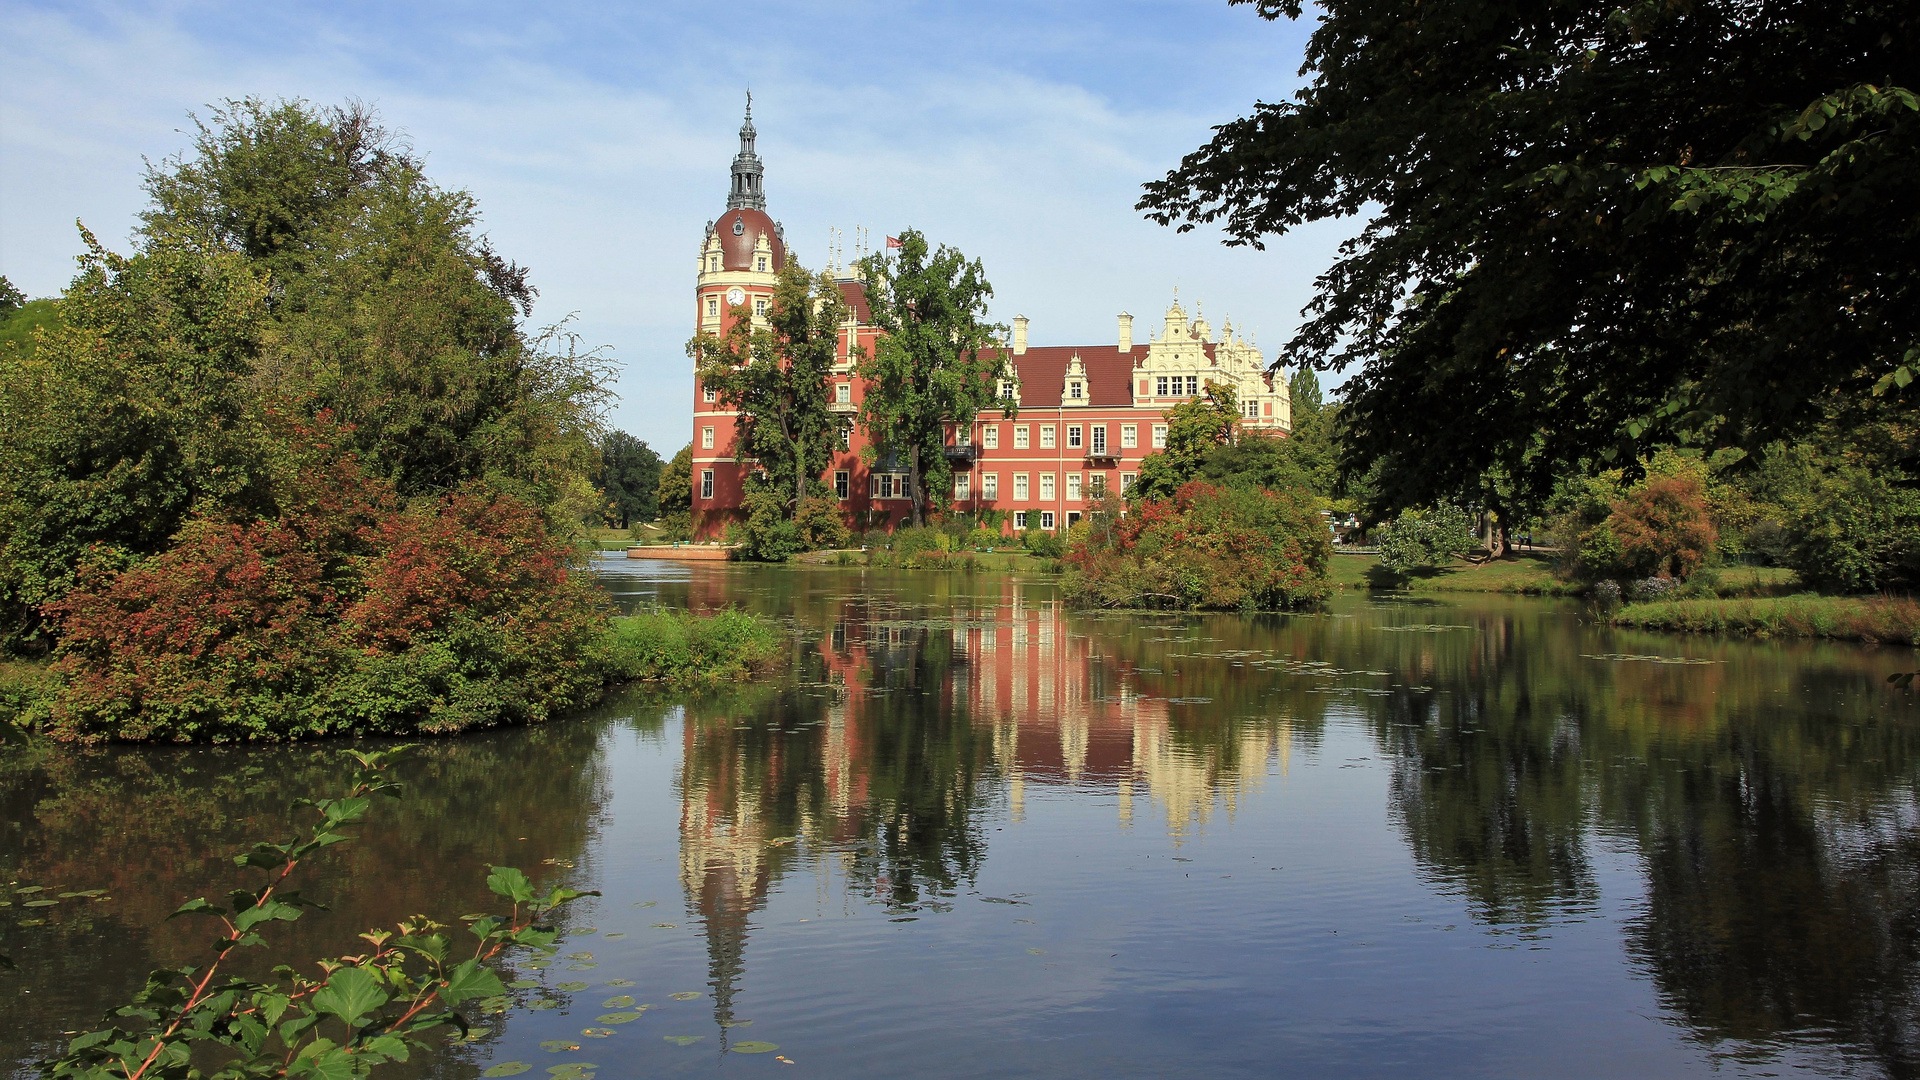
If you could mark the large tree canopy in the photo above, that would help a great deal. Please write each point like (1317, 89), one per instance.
(1592, 227)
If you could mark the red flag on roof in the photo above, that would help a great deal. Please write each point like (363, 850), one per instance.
(892, 242)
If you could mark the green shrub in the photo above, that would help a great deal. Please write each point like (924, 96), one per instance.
(680, 647)
(1425, 537)
(1856, 532)
(1043, 544)
(1207, 547)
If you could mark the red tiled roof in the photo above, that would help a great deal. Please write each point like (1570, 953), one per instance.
(1043, 373)
(737, 250)
(855, 294)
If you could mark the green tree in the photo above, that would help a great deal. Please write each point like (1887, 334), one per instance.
(1195, 428)
(676, 494)
(11, 298)
(1593, 228)
(934, 364)
(1303, 388)
(629, 479)
(1426, 537)
(132, 413)
(779, 377)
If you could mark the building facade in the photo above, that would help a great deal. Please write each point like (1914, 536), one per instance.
(1085, 415)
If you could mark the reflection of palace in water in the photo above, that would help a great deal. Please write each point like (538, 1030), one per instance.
(876, 775)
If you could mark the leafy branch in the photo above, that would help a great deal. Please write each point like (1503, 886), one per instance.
(365, 1010)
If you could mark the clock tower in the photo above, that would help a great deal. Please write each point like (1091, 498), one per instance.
(740, 259)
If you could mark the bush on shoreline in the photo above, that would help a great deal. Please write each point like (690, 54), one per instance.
(1208, 547)
(682, 648)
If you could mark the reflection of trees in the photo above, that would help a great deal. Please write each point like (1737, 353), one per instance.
(155, 826)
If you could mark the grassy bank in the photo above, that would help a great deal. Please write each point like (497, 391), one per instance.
(1846, 618)
(998, 562)
(1526, 573)
(683, 649)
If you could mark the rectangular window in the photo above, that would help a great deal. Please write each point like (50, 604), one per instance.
(1073, 487)
(1046, 520)
(1253, 410)
(1193, 385)
(1019, 436)
(1019, 519)
(842, 483)
(709, 396)
(843, 393)
(1126, 482)
(1046, 487)
(713, 308)
(1073, 390)
(706, 438)
(846, 438)
(1159, 386)
(1073, 518)
(1129, 436)
(963, 436)
(761, 263)
(989, 485)
(1020, 487)
(1046, 436)
(1100, 438)
(960, 487)
(1097, 484)
(1159, 436)
(1006, 390)
(760, 308)
(706, 483)
(1073, 436)
(990, 437)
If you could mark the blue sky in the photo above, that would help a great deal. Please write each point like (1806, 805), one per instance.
(597, 139)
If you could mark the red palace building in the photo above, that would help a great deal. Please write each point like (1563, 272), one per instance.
(1086, 414)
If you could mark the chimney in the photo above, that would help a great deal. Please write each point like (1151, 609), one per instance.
(1126, 332)
(1019, 335)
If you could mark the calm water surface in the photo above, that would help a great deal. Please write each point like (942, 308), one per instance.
(976, 835)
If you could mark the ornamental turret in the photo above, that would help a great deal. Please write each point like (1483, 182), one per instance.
(747, 192)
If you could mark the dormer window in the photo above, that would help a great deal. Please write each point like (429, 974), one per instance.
(1006, 390)
(1159, 386)
(760, 264)
(1073, 390)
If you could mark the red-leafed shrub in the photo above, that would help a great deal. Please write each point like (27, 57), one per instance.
(1207, 547)
(1663, 528)
(345, 614)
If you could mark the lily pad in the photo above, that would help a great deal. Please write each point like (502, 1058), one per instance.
(523, 984)
(686, 995)
(30, 889)
(1038, 952)
(474, 916)
(754, 1047)
(615, 936)
(509, 1068)
(666, 926)
(582, 965)
(648, 903)
(539, 965)
(571, 986)
(40, 903)
(584, 930)
(621, 1002)
(575, 1068)
(84, 892)
(578, 956)
(558, 1046)
(735, 1023)
(617, 1017)
(619, 982)
(683, 1040)
(596, 1033)
(544, 1004)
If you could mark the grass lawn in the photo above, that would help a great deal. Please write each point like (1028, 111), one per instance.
(1525, 572)
(1892, 620)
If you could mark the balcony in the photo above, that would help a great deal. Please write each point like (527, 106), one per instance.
(962, 455)
(842, 407)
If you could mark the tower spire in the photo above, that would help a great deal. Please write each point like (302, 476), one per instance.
(746, 192)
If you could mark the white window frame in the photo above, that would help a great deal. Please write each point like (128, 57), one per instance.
(1129, 436)
(990, 437)
(1076, 435)
(842, 484)
(1160, 386)
(989, 485)
(1046, 437)
(1046, 520)
(1097, 439)
(1096, 484)
(706, 483)
(1046, 487)
(1073, 487)
(843, 393)
(1019, 519)
(1159, 436)
(709, 395)
(713, 307)
(1020, 487)
(1126, 482)
(706, 438)
(760, 307)
(960, 488)
(1020, 437)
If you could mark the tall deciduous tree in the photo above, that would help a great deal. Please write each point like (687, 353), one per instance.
(1595, 227)
(778, 376)
(629, 479)
(935, 364)
(1194, 429)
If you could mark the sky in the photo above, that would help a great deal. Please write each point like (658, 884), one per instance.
(597, 139)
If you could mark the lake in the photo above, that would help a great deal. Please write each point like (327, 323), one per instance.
(975, 834)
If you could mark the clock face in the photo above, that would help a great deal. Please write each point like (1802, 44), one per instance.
(736, 296)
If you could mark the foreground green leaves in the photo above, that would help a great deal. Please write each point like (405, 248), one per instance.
(366, 1010)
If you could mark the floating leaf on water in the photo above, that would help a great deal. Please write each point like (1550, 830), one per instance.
(583, 930)
(617, 1018)
(523, 984)
(31, 922)
(647, 903)
(539, 965)
(571, 986)
(597, 1033)
(558, 1046)
(571, 1067)
(509, 1068)
(40, 903)
(582, 965)
(683, 1040)
(1038, 952)
(666, 926)
(476, 1033)
(621, 1002)
(734, 1023)
(752, 1047)
(1647, 659)
(475, 916)
(27, 890)
(578, 956)
(6, 903)
(619, 982)
(87, 892)
(1000, 900)
(686, 995)
(544, 1004)
(615, 936)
